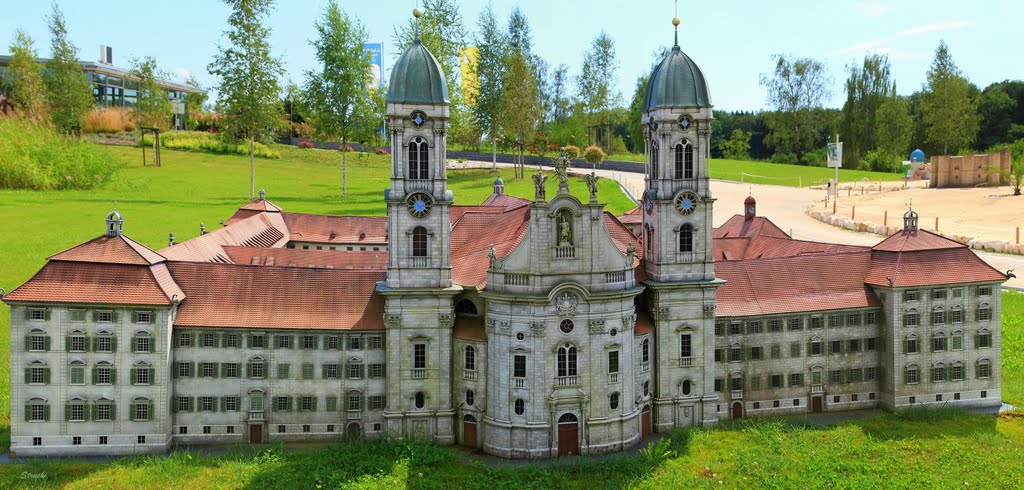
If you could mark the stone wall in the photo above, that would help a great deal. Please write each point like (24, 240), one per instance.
(969, 170)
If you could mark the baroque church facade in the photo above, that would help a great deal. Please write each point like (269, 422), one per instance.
(527, 328)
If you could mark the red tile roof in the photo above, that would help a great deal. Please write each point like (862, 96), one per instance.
(322, 228)
(260, 230)
(110, 250)
(94, 283)
(243, 296)
(929, 267)
(794, 284)
(261, 205)
(506, 201)
(621, 235)
(294, 257)
(473, 236)
(470, 328)
(738, 226)
(913, 241)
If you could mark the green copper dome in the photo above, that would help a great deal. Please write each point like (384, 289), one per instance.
(417, 78)
(676, 82)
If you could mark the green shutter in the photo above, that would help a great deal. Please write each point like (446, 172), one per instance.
(67, 411)
(92, 411)
(316, 341)
(95, 344)
(131, 411)
(248, 369)
(291, 341)
(113, 343)
(152, 375)
(323, 371)
(46, 413)
(174, 369)
(28, 314)
(135, 344)
(223, 404)
(46, 314)
(28, 412)
(191, 404)
(113, 316)
(95, 375)
(46, 343)
(67, 343)
(223, 340)
(95, 316)
(152, 345)
(86, 343)
(113, 411)
(176, 339)
(174, 404)
(113, 375)
(135, 317)
(46, 375)
(314, 403)
(28, 375)
(28, 342)
(131, 375)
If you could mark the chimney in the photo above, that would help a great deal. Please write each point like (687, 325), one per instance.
(106, 54)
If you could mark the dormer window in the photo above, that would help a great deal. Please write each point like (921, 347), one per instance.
(419, 161)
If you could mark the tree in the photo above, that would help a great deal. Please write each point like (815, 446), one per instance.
(866, 88)
(560, 103)
(737, 147)
(490, 66)
(194, 102)
(152, 109)
(248, 87)
(337, 92)
(1016, 173)
(68, 92)
(995, 108)
(635, 113)
(795, 90)
(947, 110)
(519, 105)
(596, 83)
(27, 91)
(894, 127)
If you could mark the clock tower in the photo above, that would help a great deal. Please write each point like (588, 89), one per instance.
(677, 233)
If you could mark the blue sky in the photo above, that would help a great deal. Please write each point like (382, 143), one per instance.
(731, 40)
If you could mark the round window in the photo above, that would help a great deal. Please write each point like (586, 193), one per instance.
(686, 387)
(520, 336)
(566, 326)
(614, 332)
(520, 407)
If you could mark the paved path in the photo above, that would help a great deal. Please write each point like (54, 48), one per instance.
(785, 207)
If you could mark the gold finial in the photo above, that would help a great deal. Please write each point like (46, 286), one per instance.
(675, 21)
(416, 13)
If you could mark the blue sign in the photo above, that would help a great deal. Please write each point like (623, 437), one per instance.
(376, 66)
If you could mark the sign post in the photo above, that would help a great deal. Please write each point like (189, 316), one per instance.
(835, 160)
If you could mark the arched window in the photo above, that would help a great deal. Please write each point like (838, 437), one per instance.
(613, 401)
(957, 340)
(647, 388)
(419, 400)
(684, 160)
(469, 397)
(686, 238)
(912, 375)
(939, 342)
(418, 159)
(938, 316)
(466, 307)
(567, 360)
(654, 159)
(645, 350)
(470, 358)
(520, 406)
(984, 368)
(687, 387)
(419, 242)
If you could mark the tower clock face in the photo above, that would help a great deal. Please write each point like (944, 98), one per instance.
(418, 118)
(686, 203)
(418, 204)
(648, 205)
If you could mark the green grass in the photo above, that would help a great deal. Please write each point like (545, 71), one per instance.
(934, 448)
(1013, 349)
(789, 175)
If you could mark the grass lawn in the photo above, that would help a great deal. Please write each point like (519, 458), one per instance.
(192, 188)
(790, 175)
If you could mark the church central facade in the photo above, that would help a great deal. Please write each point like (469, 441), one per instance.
(527, 328)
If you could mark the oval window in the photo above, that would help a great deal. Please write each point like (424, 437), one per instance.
(686, 387)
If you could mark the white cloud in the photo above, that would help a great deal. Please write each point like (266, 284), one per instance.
(870, 46)
(948, 26)
(183, 73)
(872, 8)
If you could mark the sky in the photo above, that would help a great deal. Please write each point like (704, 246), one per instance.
(731, 40)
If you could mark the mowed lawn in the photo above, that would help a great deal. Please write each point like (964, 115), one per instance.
(192, 188)
(779, 173)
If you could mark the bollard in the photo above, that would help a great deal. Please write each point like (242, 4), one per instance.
(833, 207)
(885, 219)
(1018, 235)
(849, 191)
(936, 224)
(853, 213)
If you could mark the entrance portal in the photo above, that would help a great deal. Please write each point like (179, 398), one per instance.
(255, 433)
(645, 422)
(737, 410)
(816, 404)
(469, 431)
(353, 431)
(568, 435)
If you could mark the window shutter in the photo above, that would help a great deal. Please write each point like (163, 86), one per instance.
(191, 403)
(113, 376)
(288, 402)
(152, 375)
(323, 371)
(67, 343)
(131, 411)
(28, 375)
(113, 316)
(192, 369)
(95, 343)
(224, 340)
(976, 340)
(46, 413)
(316, 342)
(95, 375)
(248, 341)
(28, 412)
(223, 404)
(135, 344)
(28, 342)
(67, 411)
(314, 403)
(291, 342)
(174, 404)
(273, 401)
(113, 343)
(248, 369)
(46, 375)
(131, 375)
(135, 317)
(113, 411)
(906, 347)
(152, 345)
(95, 316)
(93, 412)
(46, 314)
(28, 314)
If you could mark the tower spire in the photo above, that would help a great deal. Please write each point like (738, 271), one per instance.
(675, 22)
(416, 30)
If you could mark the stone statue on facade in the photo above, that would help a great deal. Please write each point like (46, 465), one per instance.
(592, 185)
(562, 171)
(492, 256)
(564, 231)
(539, 179)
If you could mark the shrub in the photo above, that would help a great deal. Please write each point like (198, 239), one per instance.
(594, 154)
(305, 144)
(35, 156)
(108, 120)
(880, 160)
(381, 151)
(817, 157)
(346, 148)
(200, 141)
(780, 157)
(571, 151)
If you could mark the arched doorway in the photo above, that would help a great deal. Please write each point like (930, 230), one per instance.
(469, 431)
(737, 410)
(353, 431)
(568, 435)
(645, 422)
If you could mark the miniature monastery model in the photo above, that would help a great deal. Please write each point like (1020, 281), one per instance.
(526, 328)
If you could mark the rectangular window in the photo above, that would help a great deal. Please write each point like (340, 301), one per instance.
(208, 369)
(870, 374)
(984, 370)
(258, 341)
(938, 294)
(355, 342)
(231, 340)
(777, 380)
(355, 371)
(856, 375)
(938, 344)
(330, 371)
(376, 370)
(229, 369)
(613, 361)
(938, 317)
(911, 346)
(794, 349)
(519, 366)
(776, 351)
(185, 340)
(280, 403)
(257, 369)
(718, 355)
(910, 295)
(331, 404)
(37, 413)
(719, 385)
(283, 342)
(756, 353)
(142, 376)
(686, 345)
(795, 324)
(835, 320)
(103, 375)
(870, 318)
(307, 404)
(735, 328)
(957, 373)
(938, 374)
(37, 314)
(140, 440)
(77, 412)
(754, 327)
(775, 325)
(957, 316)
(231, 404)
(835, 376)
(870, 344)
(853, 319)
(719, 328)
(796, 379)
(816, 348)
(835, 347)
(755, 382)
(184, 369)
(419, 356)
(142, 413)
(206, 403)
(984, 290)
(911, 319)
(817, 322)
(307, 371)
(37, 343)
(103, 440)
(984, 339)
(104, 344)
(911, 376)
(309, 342)
(207, 429)
(209, 340)
(736, 353)
(76, 441)
(853, 345)
(184, 404)
(77, 375)
(355, 401)
(282, 370)
(78, 316)
(37, 375)
(142, 344)
(377, 402)
(331, 342)
(375, 342)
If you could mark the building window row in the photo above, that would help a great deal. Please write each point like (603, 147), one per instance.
(82, 410)
(78, 315)
(940, 372)
(256, 368)
(815, 347)
(279, 341)
(725, 326)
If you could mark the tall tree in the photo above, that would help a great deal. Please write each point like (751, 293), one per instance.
(489, 68)
(636, 113)
(596, 83)
(867, 87)
(194, 102)
(152, 109)
(795, 90)
(947, 110)
(560, 103)
(337, 91)
(248, 73)
(28, 92)
(68, 93)
(995, 107)
(894, 127)
(519, 36)
(519, 105)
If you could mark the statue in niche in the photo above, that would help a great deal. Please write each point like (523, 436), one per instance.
(539, 179)
(564, 229)
(592, 185)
